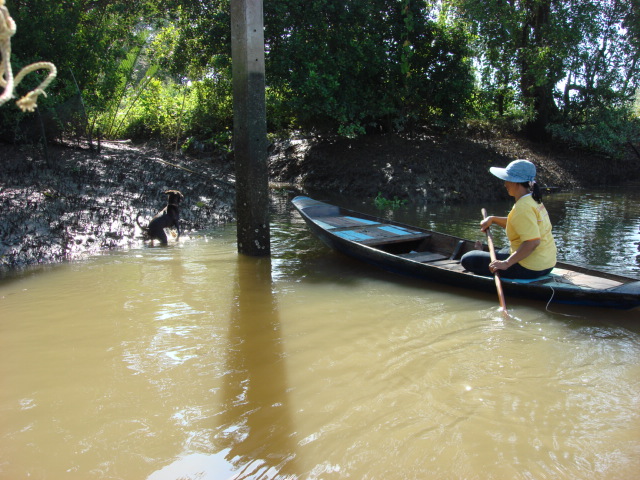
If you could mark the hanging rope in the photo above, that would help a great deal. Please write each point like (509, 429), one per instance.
(28, 103)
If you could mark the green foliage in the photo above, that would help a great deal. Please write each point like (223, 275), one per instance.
(341, 67)
(529, 47)
(352, 67)
(384, 203)
(607, 131)
(129, 82)
(153, 113)
(85, 40)
(196, 115)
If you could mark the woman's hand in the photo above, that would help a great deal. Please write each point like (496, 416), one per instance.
(526, 248)
(498, 265)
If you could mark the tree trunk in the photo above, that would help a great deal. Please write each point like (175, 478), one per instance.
(536, 87)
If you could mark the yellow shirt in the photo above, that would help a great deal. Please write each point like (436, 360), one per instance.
(529, 220)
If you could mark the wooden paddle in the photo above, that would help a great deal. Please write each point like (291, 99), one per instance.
(496, 275)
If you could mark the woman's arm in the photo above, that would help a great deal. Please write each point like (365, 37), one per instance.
(525, 249)
(487, 222)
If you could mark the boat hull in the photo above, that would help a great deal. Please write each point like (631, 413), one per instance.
(433, 256)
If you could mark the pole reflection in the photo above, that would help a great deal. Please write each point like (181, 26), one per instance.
(256, 429)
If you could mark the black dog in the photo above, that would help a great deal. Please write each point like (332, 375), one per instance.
(166, 218)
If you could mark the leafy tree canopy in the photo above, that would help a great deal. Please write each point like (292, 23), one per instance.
(347, 67)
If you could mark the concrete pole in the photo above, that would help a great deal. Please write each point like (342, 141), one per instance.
(250, 127)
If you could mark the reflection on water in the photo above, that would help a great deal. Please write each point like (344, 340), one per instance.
(191, 361)
(594, 230)
(256, 419)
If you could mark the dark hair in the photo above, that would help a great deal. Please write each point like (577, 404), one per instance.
(535, 191)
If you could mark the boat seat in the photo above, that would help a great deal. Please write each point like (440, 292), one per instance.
(632, 288)
(542, 279)
(336, 222)
(321, 210)
(423, 257)
(371, 233)
(376, 241)
(448, 264)
(457, 250)
(581, 280)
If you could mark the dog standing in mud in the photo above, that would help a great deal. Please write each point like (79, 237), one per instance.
(166, 218)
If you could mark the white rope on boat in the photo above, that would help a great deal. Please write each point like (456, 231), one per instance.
(28, 103)
(553, 293)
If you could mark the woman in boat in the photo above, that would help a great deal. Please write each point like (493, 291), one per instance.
(532, 249)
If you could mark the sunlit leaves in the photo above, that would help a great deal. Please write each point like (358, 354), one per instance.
(361, 65)
(587, 47)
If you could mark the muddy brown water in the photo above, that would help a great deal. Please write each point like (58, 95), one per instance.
(192, 362)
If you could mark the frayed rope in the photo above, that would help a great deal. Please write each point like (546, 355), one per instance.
(28, 103)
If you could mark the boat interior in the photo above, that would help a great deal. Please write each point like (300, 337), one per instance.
(441, 250)
(416, 245)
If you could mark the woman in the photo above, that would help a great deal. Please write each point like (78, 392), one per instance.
(532, 250)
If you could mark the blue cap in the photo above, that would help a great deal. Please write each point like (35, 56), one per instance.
(518, 171)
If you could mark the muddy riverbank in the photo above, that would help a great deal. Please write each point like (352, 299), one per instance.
(81, 203)
(74, 202)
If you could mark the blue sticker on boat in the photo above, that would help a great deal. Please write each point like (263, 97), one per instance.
(529, 280)
(362, 220)
(353, 236)
(324, 225)
(397, 230)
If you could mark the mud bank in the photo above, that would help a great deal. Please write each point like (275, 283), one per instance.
(80, 203)
(438, 169)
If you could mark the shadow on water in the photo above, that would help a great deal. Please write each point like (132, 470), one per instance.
(256, 425)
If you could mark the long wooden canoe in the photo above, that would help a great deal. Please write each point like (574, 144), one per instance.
(435, 256)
